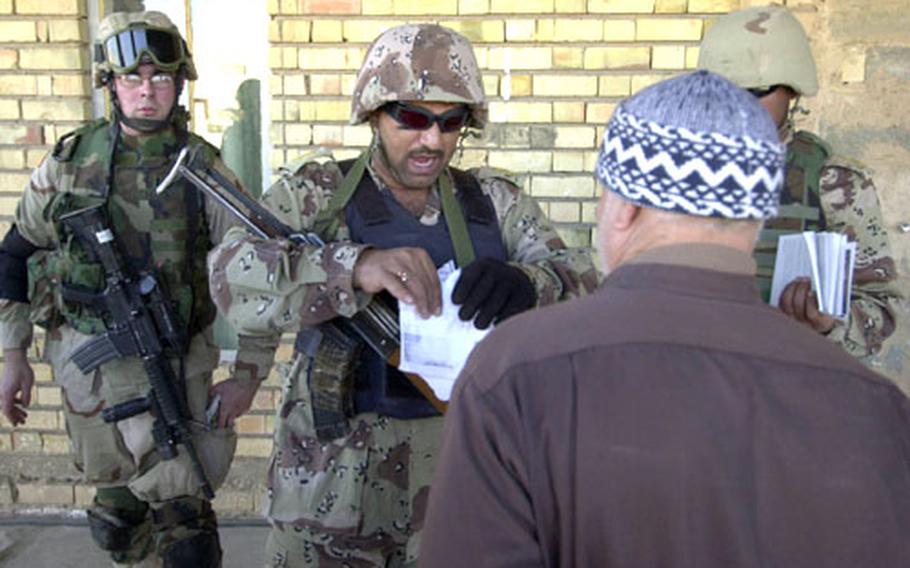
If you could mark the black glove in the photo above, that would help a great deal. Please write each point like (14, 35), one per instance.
(493, 291)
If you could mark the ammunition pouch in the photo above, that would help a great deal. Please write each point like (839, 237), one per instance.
(44, 311)
(114, 530)
(333, 358)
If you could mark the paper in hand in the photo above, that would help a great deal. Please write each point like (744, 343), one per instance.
(438, 347)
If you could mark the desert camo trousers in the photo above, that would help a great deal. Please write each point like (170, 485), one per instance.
(358, 500)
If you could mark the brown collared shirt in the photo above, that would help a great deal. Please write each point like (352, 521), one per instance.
(670, 419)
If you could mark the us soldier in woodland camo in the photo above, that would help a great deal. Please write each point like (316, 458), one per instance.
(355, 443)
(765, 50)
(146, 510)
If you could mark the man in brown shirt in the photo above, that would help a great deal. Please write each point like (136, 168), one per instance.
(672, 418)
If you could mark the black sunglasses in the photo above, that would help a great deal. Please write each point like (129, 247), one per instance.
(416, 118)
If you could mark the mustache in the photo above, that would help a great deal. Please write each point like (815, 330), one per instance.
(424, 151)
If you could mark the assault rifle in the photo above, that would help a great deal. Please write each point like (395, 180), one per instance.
(142, 324)
(376, 324)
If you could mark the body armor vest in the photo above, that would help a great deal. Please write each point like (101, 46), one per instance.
(166, 233)
(377, 218)
(800, 206)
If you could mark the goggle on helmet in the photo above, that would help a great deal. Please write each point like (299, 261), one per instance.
(137, 42)
(124, 51)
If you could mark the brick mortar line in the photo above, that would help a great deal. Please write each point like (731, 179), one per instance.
(43, 44)
(27, 72)
(506, 43)
(343, 122)
(42, 98)
(33, 122)
(420, 18)
(568, 71)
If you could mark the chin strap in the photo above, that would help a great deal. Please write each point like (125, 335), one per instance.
(785, 131)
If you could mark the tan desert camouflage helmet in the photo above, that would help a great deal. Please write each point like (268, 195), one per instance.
(758, 48)
(127, 39)
(419, 62)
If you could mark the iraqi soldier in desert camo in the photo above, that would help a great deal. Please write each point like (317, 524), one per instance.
(355, 443)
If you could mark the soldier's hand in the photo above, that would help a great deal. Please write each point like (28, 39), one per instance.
(16, 386)
(236, 398)
(493, 291)
(799, 302)
(406, 273)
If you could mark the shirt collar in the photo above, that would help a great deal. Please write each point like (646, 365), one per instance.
(699, 255)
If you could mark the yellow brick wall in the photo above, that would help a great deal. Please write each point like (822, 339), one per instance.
(44, 92)
(553, 69)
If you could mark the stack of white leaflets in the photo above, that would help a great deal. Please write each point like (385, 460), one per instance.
(438, 347)
(827, 259)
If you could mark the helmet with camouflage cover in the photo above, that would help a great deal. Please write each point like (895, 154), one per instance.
(128, 39)
(758, 48)
(419, 62)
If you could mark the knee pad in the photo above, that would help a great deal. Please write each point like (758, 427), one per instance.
(116, 519)
(112, 530)
(189, 512)
(201, 550)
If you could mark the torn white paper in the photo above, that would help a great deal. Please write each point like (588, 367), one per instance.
(437, 348)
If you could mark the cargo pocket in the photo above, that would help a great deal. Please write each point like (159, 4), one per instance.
(97, 447)
(169, 479)
(312, 484)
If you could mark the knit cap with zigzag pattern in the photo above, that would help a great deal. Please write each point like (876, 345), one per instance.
(694, 144)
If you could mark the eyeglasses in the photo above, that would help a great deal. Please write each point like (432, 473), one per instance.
(159, 81)
(412, 117)
(124, 51)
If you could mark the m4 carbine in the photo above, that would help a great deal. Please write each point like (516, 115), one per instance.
(141, 323)
(376, 324)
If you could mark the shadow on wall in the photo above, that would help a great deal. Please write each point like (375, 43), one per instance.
(124, 6)
(241, 146)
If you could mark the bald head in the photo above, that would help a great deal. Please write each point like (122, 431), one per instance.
(625, 230)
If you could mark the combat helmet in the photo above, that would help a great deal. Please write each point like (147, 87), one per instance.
(128, 39)
(419, 62)
(758, 48)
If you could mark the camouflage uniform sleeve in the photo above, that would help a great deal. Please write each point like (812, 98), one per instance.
(534, 246)
(15, 327)
(268, 286)
(255, 354)
(851, 206)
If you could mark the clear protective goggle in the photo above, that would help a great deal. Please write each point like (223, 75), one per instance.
(124, 51)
